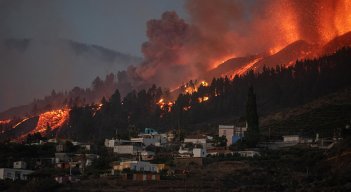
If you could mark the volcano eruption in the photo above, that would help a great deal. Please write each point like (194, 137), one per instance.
(222, 38)
(263, 33)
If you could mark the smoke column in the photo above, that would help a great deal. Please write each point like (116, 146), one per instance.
(179, 50)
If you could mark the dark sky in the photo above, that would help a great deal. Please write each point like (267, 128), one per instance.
(47, 64)
(115, 24)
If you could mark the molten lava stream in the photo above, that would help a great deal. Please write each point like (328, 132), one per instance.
(55, 119)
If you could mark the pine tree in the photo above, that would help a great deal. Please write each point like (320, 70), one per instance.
(253, 133)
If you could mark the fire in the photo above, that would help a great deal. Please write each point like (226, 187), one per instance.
(203, 99)
(342, 18)
(246, 67)
(54, 118)
(97, 108)
(275, 50)
(221, 60)
(3, 122)
(187, 108)
(165, 105)
(19, 123)
(193, 87)
(204, 83)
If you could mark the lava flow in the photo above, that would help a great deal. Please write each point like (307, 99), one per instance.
(4, 122)
(54, 119)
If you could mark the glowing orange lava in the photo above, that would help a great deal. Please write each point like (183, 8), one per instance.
(221, 60)
(246, 67)
(19, 123)
(274, 50)
(54, 118)
(3, 122)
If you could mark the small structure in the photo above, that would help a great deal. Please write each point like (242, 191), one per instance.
(201, 141)
(185, 152)
(86, 147)
(128, 149)
(291, 139)
(62, 179)
(14, 174)
(19, 165)
(199, 152)
(110, 143)
(146, 177)
(60, 148)
(147, 155)
(150, 131)
(62, 157)
(52, 140)
(151, 137)
(248, 153)
(18, 172)
(231, 133)
(138, 166)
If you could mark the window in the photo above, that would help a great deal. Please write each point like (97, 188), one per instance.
(224, 132)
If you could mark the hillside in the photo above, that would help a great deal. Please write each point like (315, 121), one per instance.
(287, 56)
(324, 115)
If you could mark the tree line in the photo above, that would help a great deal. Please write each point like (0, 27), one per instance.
(275, 89)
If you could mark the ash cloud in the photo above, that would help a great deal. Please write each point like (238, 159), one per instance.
(179, 50)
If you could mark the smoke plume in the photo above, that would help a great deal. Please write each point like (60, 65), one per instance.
(179, 50)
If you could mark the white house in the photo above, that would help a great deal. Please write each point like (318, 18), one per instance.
(146, 141)
(127, 149)
(113, 142)
(185, 152)
(231, 133)
(248, 153)
(20, 165)
(199, 152)
(14, 174)
(195, 141)
(138, 166)
(291, 139)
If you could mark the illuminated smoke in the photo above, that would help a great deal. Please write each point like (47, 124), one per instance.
(216, 31)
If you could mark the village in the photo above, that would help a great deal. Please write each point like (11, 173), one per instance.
(152, 156)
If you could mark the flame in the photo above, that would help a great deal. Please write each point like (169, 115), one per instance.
(246, 67)
(203, 99)
(3, 122)
(55, 119)
(187, 108)
(221, 60)
(165, 105)
(190, 89)
(275, 50)
(97, 108)
(204, 83)
(19, 123)
(342, 18)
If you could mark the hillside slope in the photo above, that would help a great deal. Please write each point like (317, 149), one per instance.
(324, 115)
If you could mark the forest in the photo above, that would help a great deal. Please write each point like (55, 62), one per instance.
(275, 88)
